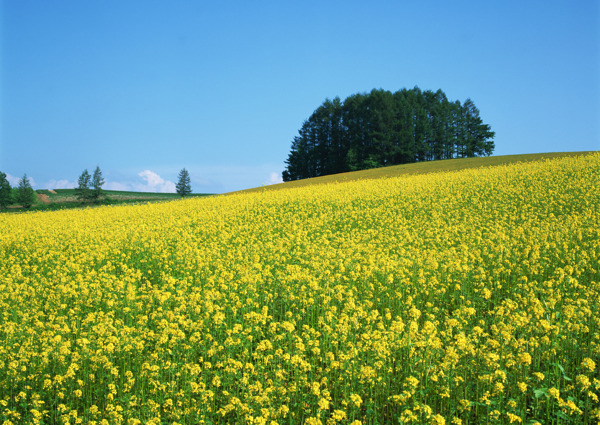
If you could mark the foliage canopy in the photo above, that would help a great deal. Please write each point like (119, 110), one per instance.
(25, 193)
(184, 186)
(97, 183)
(5, 191)
(382, 128)
(83, 190)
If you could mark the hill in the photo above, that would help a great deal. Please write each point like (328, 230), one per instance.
(467, 297)
(52, 199)
(421, 168)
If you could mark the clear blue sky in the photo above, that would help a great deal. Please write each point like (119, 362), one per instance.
(145, 88)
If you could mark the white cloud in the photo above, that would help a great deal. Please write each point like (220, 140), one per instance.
(274, 178)
(60, 184)
(14, 181)
(147, 181)
(154, 183)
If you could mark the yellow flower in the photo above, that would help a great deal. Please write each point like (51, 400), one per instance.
(553, 392)
(339, 415)
(323, 404)
(356, 400)
(588, 364)
(513, 418)
(437, 420)
(315, 388)
(525, 359)
(584, 381)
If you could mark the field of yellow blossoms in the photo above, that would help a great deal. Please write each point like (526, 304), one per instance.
(468, 297)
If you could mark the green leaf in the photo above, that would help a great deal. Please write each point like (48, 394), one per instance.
(540, 392)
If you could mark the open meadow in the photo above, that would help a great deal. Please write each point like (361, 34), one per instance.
(454, 297)
(59, 199)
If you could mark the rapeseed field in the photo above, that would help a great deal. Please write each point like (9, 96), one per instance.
(468, 297)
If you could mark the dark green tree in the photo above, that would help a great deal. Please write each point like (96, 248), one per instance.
(97, 183)
(381, 128)
(477, 134)
(354, 120)
(25, 193)
(5, 191)
(83, 190)
(297, 161)
(404, 127)
(183, 186)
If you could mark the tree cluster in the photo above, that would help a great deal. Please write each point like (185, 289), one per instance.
(24, 196)
(382, 128)
(89, 187)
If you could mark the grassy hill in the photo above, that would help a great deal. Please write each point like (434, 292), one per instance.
(48, 199)
(421, 168)
(52, 199)
(69, 195)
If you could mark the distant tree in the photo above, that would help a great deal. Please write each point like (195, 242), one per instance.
(25, 193)
(183, 185)
(97, 183)
(83, 191)
(5, 191)
(478, 135)
(381, 128)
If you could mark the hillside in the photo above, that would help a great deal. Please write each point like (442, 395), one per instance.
(421, 168)
(54, 199)
(449, 297)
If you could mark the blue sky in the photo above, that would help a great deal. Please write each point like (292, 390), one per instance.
(145, 88)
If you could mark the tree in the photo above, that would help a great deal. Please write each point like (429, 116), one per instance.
(97, 183)
(381, 128)
(5, 191)
(25, 193)
(83, 190)
(478, 134)
(183, 185)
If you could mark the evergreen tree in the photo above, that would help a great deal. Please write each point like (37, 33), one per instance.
(297, 162)
(5, 191)
(381, 114)
(183, 185)
(404, 127)
(354, 116)
(25, 193)
(381, 128)
(83, 191)
(336, 133)
(97, 183)
(477, 137)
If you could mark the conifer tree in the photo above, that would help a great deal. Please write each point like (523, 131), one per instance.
(381, 128)
(83, 191)
(97, 183)
(25, 193)
(5, 191)
(183, 186)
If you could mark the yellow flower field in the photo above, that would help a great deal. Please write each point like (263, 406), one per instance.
(464, 297)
